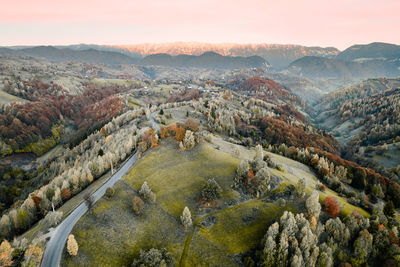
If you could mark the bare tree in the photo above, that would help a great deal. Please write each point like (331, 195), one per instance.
(186, 218)
(89, 200)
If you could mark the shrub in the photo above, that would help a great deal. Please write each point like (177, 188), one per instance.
(154, 257)
(110, 192)
(332, 206)
(72, 246)
(137, 205)
(211, 190)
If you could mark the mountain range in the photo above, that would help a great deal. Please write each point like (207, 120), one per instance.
(278, 55)
(114, 56)
(205, 60)
(356, 62)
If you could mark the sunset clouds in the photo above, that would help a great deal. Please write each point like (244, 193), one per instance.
(309, 22)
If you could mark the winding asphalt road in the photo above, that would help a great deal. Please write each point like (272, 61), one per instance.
(55, 246)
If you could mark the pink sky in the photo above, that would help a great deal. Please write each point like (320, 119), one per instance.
(339, 23)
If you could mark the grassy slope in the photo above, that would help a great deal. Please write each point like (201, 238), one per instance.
(232, 235)
(112, 235)
(292, 171)
(7, 98)
(177, 178)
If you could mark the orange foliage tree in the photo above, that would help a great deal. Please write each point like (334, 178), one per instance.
(65, 194)
(176, 131)
(103, 132)
(36, 200)
(6, 251)
(151, 136)
(180, 133)
(332, 206)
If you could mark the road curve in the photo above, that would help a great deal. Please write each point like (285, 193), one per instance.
(55, 246)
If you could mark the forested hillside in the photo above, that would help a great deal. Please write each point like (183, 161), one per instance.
(30, 127)
(365, 117)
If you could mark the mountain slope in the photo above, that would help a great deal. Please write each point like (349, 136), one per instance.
(319, 67)
(357, 91)
(54, 54)
(206, 60)
(81, 47)
(365, 117)
(7, 51)
(370, 51)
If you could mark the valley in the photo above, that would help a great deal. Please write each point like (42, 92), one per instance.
(120, 156)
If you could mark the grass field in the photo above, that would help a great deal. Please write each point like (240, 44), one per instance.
(177, 178)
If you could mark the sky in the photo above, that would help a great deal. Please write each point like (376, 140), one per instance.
(338, 23)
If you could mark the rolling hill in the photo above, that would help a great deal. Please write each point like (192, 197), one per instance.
(319, 67)
(372, 51)
(54, 54)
